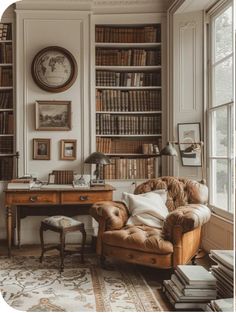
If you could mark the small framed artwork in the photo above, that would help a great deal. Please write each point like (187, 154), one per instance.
(188, 134)
(53, 115)
(41, 149)
(68, 149)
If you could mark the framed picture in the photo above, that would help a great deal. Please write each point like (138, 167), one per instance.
(188, 134)
(53, 115)
(41, 149)
(54, 69)
(68, 149)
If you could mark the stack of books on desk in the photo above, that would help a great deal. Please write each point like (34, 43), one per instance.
(221, 305)
(21, 183)
(223, 272)
(190, 287)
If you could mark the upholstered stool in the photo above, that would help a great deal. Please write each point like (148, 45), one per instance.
(62, 225)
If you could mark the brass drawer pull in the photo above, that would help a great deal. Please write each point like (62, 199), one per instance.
(33, 198)
(83, 198)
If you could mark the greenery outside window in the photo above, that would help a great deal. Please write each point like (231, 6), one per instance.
(221, 111)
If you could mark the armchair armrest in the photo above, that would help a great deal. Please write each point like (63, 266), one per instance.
(188, 217)
(113, 215)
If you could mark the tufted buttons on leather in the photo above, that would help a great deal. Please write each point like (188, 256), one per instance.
(153, 261)
(130, 256)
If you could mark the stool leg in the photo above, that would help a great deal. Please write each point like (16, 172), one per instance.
(42, 244)
(62, 239)
(83, 243)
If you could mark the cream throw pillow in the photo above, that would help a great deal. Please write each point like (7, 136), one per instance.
(146, 209)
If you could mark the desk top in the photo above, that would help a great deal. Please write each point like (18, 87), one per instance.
(63, 188)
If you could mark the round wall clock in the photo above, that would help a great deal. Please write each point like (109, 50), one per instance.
(54, 69)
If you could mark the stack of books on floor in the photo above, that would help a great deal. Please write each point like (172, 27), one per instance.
(221, 305)
(190, 287)
(223, 272)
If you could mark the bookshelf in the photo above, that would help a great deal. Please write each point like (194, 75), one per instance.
(7, 109)
(128, 95)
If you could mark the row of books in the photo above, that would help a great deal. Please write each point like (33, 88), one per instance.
(128, 79)
(6, 145)
(190, 287)
(5, 76)
(130, 168)
(128, 57)
(131, 100)
(6, 99)
(5, 52)
(6, 168)
(109, 124)
(223, 272)
(5, 31)
(148, 33)
(6, 123)
(119, 146)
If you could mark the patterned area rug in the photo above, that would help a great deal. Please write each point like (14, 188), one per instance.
(28, 285)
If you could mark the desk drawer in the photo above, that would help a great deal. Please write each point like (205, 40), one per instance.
(85, 197)
(32, 198)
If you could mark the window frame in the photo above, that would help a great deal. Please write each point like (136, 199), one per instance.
(212, 63)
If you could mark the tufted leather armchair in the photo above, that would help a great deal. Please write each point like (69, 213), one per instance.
(176, 243)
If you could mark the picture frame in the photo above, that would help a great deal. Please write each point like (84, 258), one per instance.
(188, 134)
(53, 115)
(41, 149)
(68, 149)
(54, 69)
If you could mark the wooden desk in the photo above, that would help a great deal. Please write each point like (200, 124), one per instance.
(38, 201)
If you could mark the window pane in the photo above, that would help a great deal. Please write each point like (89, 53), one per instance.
(223, 81)
(223, 34)
(220, 184)
(219, 132)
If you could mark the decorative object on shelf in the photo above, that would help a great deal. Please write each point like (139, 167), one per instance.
(54, 69)
(68, 149)
(53, 115)
(189, 134)
(99, 159)
(41, 149)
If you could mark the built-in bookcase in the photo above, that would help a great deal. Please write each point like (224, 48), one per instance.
(7, 109)
(128, 96)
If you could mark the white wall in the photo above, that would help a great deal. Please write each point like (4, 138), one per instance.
(187, 103)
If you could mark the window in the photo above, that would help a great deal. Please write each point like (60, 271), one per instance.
(221, 111)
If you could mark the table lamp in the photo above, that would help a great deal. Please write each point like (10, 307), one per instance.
(99, 159)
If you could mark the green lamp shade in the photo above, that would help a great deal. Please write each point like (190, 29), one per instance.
(97, 158)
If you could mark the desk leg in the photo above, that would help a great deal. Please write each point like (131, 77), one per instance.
(18, 226)
(9, 229)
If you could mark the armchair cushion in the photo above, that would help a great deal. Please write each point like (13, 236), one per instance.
(188, 217)
(140, 238)
(114, 214)
(146, 209)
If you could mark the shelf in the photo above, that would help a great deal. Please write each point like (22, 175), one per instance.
(6, 110)
(7, 40)
(128, 44)
(129, 88)
(6, 135)
(5, 64)
(6, 88)
(137, 135)
(133, 154)
(128, 68)
(128, 112)
(7, 154)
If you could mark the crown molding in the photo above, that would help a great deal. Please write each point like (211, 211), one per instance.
(97, 6)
